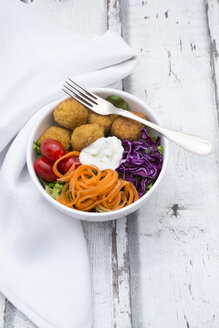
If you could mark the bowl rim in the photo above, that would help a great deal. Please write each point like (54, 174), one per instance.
(46, 109)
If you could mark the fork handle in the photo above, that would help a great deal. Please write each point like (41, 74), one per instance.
(189, 142)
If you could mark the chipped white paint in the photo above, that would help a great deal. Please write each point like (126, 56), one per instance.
(171, 246)
(84, 17)
(2, 310)
(99, 238)
(121, 275)
(212, 16)
(120, 252)
(114, 16)
(15, 318)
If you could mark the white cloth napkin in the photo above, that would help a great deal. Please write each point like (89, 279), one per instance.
(44, 268)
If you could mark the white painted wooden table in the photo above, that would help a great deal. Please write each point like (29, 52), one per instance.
(159, 267)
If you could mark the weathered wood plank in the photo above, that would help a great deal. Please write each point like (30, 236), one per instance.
(82, 17)
(120, 251)
(15, 318)
(121, 274)
(99, 238)
(174, 244)
(114, 16)
(2, 310)
(212, 19)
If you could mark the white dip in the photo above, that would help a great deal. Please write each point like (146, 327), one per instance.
(105, 153)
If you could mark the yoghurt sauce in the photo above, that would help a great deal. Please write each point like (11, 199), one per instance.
(105, 153)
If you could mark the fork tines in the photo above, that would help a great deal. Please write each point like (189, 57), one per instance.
(85, 97)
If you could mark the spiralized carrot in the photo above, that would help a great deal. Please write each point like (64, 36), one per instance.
(87, 187)
(65, 177)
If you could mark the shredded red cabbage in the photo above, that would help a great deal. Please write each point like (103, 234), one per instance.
(141, 162)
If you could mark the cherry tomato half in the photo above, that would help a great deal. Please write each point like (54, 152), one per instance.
(52, 149)
(66, 163)
(44, 168)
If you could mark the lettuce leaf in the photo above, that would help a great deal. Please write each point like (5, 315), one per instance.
(118, 102)
(36, 146)
(55, 190)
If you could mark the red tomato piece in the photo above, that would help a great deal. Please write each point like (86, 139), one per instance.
(52, 149)
(66, 163)
(44, 168)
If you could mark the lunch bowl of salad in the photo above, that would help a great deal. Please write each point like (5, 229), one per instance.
(95, 167)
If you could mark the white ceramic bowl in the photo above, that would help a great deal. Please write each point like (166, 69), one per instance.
(45, 119)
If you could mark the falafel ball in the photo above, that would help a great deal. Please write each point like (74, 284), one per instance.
(126, 128)
(60, 134)
(70, 114)
(85, 135)
(103, 120)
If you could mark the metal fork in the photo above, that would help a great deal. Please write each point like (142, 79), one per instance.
(100, 106)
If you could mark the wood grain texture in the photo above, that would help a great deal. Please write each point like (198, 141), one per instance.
(174, 244)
